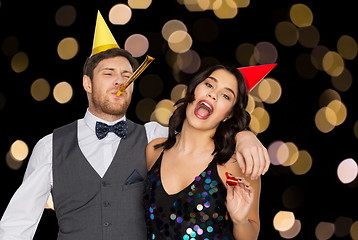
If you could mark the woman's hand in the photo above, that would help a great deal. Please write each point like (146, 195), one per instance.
(239, 200)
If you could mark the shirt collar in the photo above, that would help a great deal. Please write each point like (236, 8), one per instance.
(91, 120)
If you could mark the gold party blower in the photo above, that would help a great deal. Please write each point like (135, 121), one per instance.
(136, 73)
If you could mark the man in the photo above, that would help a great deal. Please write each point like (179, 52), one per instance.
(95, 167)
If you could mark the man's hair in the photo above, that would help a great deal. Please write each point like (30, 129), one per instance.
(92, 61)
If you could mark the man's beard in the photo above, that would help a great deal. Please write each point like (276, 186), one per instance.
(111, 108)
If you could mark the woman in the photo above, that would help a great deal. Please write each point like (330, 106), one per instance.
(200, 145)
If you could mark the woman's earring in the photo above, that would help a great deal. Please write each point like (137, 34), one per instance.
(225, 120)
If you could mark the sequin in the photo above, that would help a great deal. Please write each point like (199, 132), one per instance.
(199, 207)
(196, 213)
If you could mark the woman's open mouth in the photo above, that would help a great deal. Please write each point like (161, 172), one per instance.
(203, 109)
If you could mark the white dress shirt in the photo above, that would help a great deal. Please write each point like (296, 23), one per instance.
(25, 209)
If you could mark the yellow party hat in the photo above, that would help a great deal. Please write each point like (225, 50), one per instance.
(103, 38)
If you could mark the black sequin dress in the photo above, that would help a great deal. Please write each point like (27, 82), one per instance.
(197, 212)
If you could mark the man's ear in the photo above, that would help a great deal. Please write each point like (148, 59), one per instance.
(87, 84)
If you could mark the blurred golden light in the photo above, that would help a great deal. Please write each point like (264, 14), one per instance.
(333, 64)
(278, 152)
(161, 115)
(263, 119)
(328, 96)
(40, 89)
(340, 112)
(189, 62)
(242, 3)
(205, 30)
(178, 92)
(10, 46)
(65, 16)
(347, 47)
(347, 171)
(19, 150)
(250, 104)
(137, 45)
(354, 231)
(144, 109)
(244, 52)
(265, 52)
(293, 231)
(317, 55)
(151, 86)
(283, 220)
(11, 162)
(139, 4)
(292, 154)
(321, 119)
(225, 9)
(172, 26)
(355, 129)
(269, 90)
(120, 14)
(301, 15)
(197, 6)
(342, 226)
(286, 33)
(292, 197)
(19, 62)
(303, 163)
(62, 92)
(49, 203)
(324, 230)
(167, 104)
(67, 48)
(342, 82)
(308, 36)
(180, 41)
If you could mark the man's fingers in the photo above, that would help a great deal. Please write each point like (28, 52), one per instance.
(267, 161)
(248, 162)
(240, 160)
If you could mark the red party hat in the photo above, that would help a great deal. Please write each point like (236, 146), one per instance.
(254, 74)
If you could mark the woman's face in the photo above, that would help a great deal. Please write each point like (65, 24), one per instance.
(214, 99)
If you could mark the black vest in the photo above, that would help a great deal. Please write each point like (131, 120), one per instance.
(89, 207)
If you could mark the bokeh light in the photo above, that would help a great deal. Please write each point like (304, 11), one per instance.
(347, 47)
(309, 36)
(301, 15)
(62, 92)
(265, 53)
(178, 92)
(65, 16)
(120, 14)
(139, 4)
(343, 82)
(67, 48)
(293, 231)
(283, 221)
(10, 46)
(342, 226)
(278, 152)
(347, 171)
(303, 163)
(333, 64)
(225, 9)
(172, 26)
(189, 61)
(137, 45)
(19, 150)
(144, 109)
(286, 33)
(324, 230)
(19, 62)
(40, 89)
(354, 231)
(180, 41)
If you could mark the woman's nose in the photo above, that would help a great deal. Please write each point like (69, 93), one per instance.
(212, 95)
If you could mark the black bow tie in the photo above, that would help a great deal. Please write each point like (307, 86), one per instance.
(119, 128)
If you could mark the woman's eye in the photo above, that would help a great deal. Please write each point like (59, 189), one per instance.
(226, 96)
(209, 85)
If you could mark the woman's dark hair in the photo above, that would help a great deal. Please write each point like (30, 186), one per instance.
(92, 61)
(224, 138)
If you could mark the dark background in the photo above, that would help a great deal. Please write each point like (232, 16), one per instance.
(325, 198)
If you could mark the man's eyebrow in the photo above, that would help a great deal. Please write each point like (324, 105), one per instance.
(113, 69)
(229, 89)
